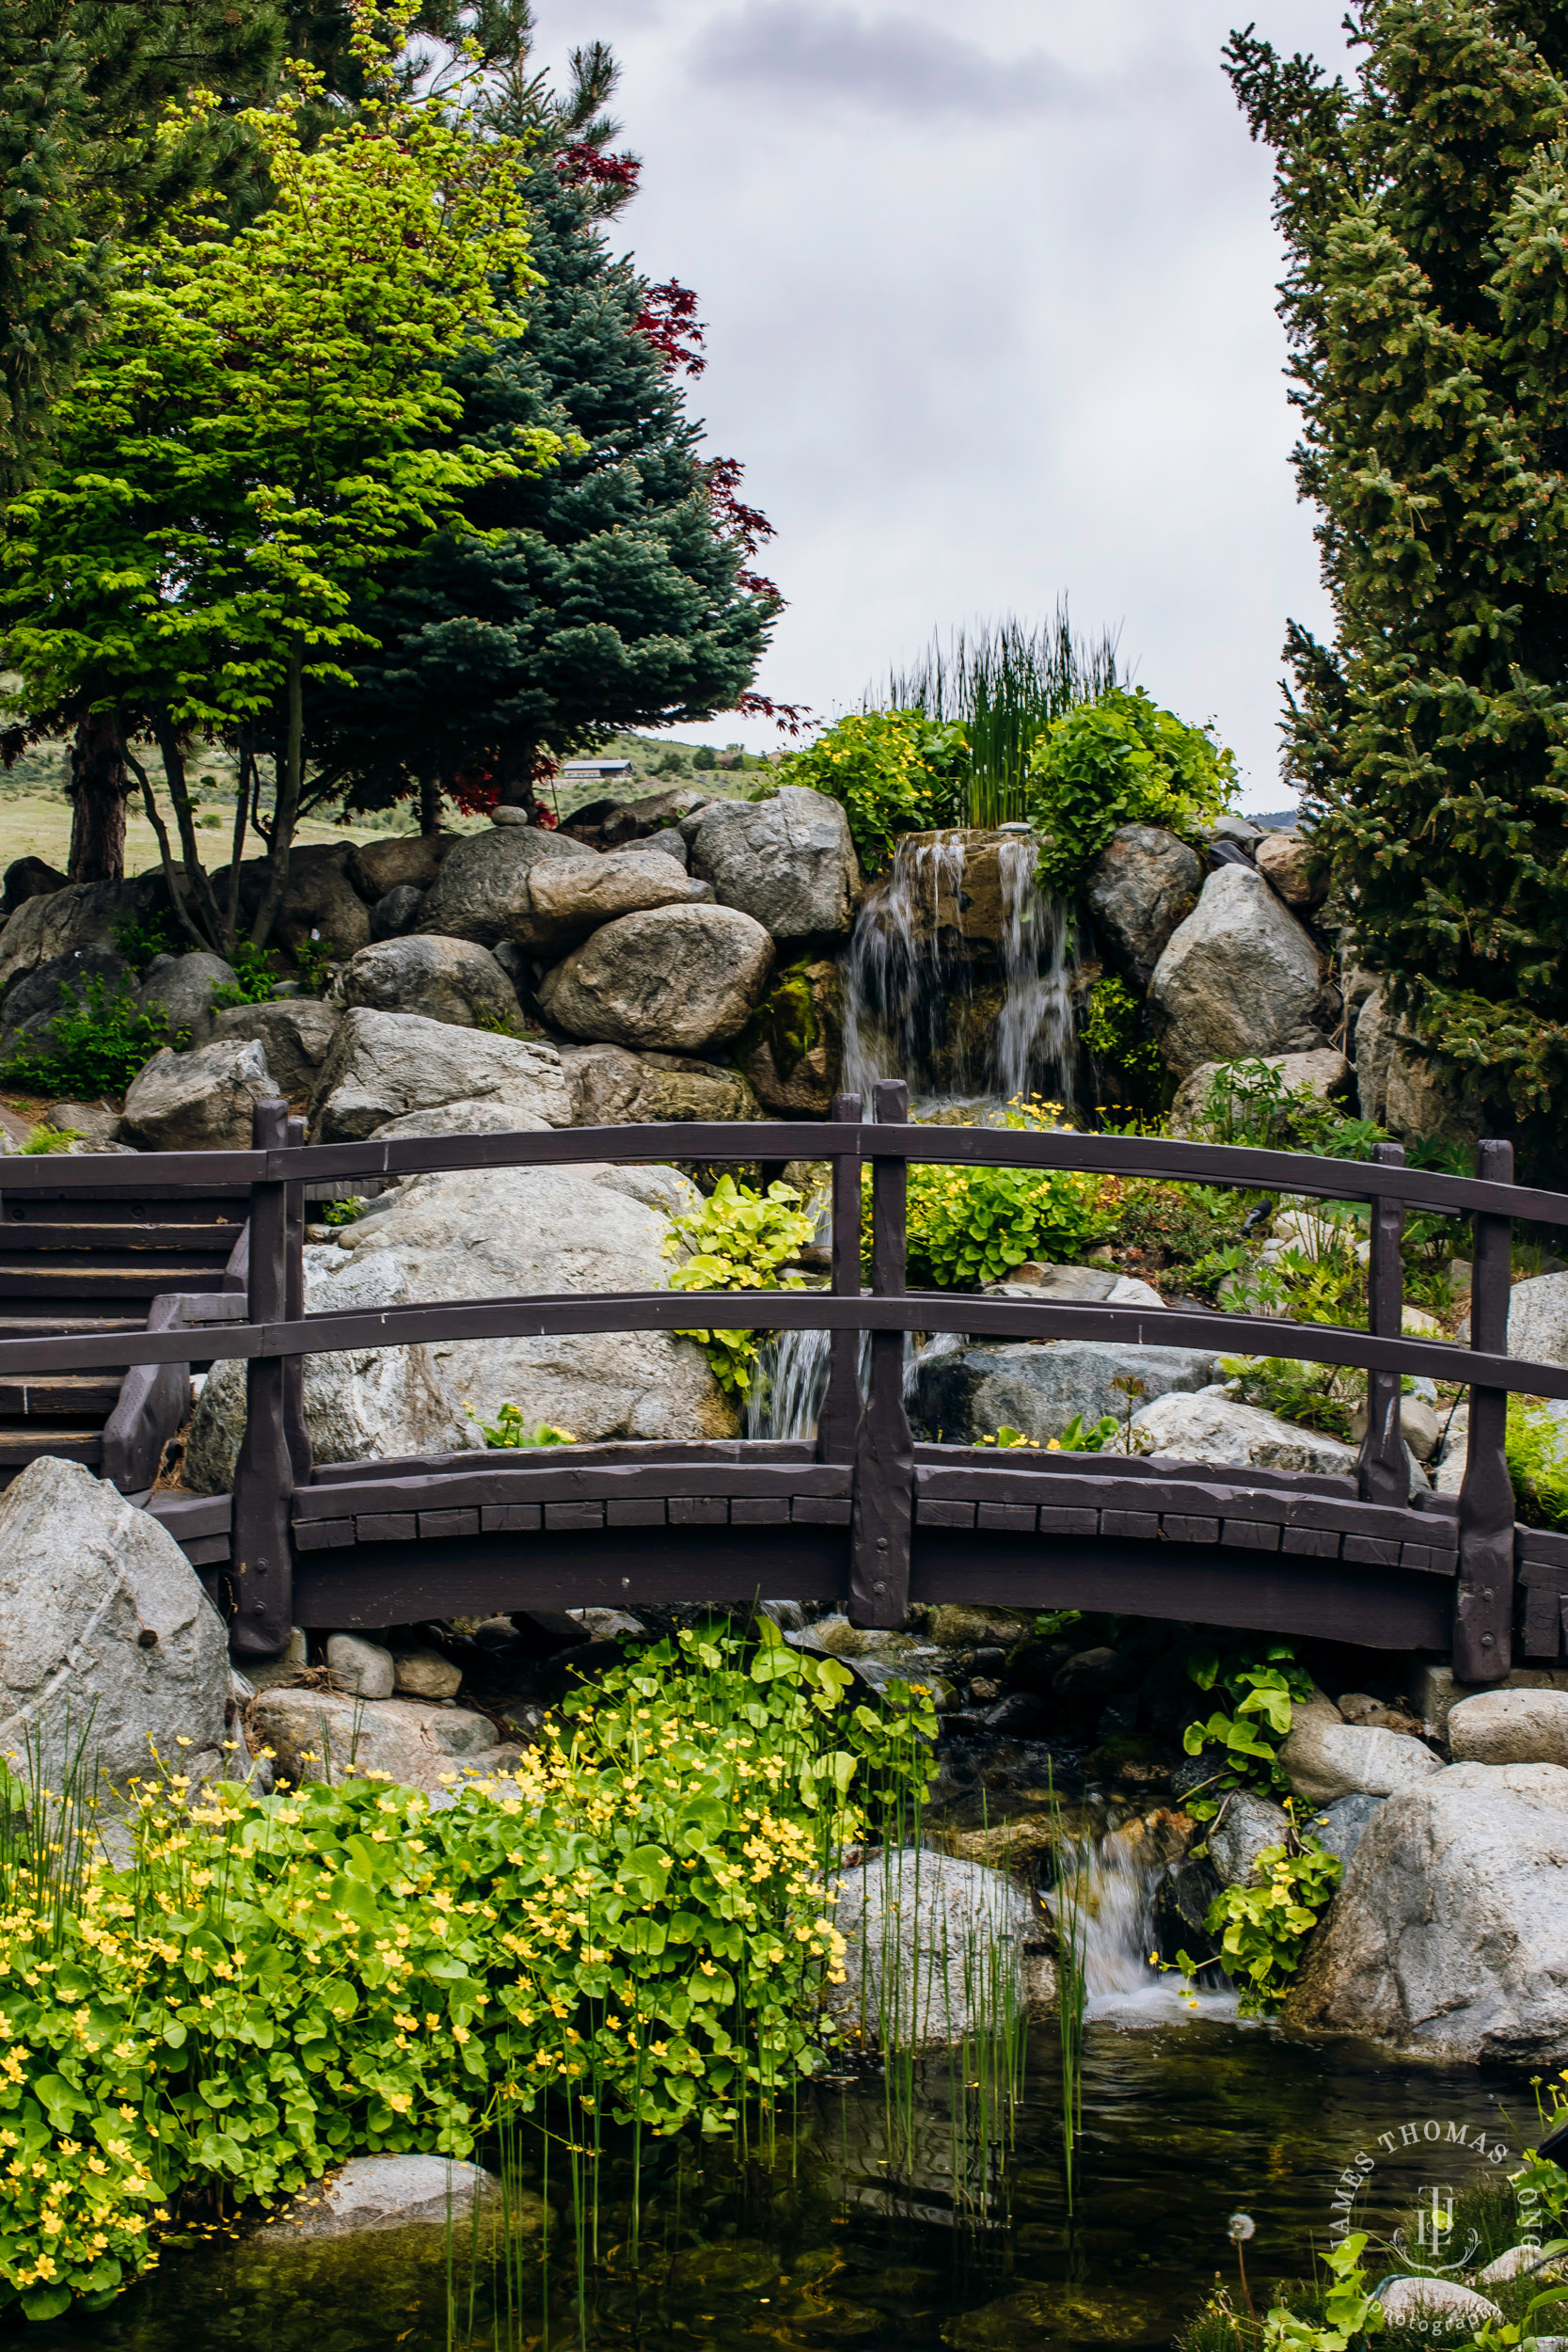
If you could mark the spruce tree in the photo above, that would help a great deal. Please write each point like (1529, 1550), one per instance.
(614, 591)
(1425, 211)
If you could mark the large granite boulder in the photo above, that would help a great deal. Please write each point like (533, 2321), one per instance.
(570, 899)
(1143, 885)
(1326, 1758)
(1538, 1319)
(361, 1405)
(937, 1950)
(333, 1736)
(320, 909)
(201, 1101)
(493, 1232)
(676, 980)
(792, 1049)
(374, 2194)
(455, 981)
(1324, 1074)
(28, 878)
(383, 1064)
(1405, 1090)
(397, 912)
(965, 1393)
(1286, 861)
(1448, 1937)
(1510, 1727)
(179, 990)
(295, 1033)
(1238, 978)
(105, 1633)
(36, 999)
(483, 890)
(613, 1087)
(83, 915)
(787, 861)
(1213, 1428)
(402, 860)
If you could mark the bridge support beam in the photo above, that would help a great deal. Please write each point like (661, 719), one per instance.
(1483, 1603)
(884, 1457)
(1383, 1474)
(263, 1571)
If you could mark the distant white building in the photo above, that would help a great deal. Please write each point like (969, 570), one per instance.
(596, 768)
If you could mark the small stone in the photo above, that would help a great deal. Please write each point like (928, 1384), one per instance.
(1325, 1760)
(424, 1674)
(373, 2193)
(1518, 2261)
(365, 1668)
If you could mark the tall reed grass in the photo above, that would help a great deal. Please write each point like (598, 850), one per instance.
(1003, 684)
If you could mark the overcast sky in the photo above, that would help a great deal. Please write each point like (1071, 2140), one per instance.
(990, 298)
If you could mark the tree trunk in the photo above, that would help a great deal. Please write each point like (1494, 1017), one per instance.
(430, 804)
(100, 782)
(285, 814)
(189, 889)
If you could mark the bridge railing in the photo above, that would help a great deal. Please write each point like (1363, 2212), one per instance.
(872, 1432)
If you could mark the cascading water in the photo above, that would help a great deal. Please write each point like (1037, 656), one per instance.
(1034, 1034)
(897, 966)
(1117, 1880)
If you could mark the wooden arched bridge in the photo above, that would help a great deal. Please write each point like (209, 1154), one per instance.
(864, 1517)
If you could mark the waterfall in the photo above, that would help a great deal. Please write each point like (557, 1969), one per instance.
(792, 1381)
(1118, 1879)
(894, 972)
(1033, 1031)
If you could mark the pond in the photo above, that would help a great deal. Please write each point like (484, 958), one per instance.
(852, 2231)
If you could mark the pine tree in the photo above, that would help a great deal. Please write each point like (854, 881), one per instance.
(1425, 211)
(617, 592)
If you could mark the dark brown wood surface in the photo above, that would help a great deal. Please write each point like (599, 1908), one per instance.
(884, 1456)
(1384, 1475)
(263, 1474)
(838, 1424)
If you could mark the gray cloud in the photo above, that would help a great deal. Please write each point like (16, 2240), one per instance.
(893, 63)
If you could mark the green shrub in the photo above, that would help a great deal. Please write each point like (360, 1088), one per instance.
(46, 1140)
(96, 1043)
(1249, 1733)
(968, 1226)
(894, 770)
(1262, 1930)
(1121, 760)
(639, 1922)
(256, 976)
(738, 1240)
(1115, 1029)
(138, 942)
(1538, 1462)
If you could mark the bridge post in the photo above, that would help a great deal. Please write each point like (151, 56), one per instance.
(838, 1424)
(885, 1458)
(264, 1475)
(1382, 1472)
(294, 1308)
(1483, 1607)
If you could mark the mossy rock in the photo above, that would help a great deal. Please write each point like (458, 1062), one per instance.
(1018, 2322)
(792, 1048)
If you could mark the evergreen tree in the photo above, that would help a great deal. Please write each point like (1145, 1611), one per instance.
(615, 592)
(1425, 210)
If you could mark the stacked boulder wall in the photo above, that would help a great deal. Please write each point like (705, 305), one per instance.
(83, 914)
(1144, 884)
(36, 999)
(383, 1064)
(674, 979)
(201, 1101)
(321, 910)
(613, 1087)
(966, 1394)
(787, 861)
(531, 1230)
(792, 1049)
(484, 888)
(1286, 861)
(107, 1637)
(404, 860)
(1448, 1937)
(1407, 1090)
(179, 990)
(361, 1405)
(455, 981)
(1240, 976)
(295, 1033)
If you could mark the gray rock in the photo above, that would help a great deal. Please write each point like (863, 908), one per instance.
(263, 1674)
(96, 1127)
(1516, 2262)
(483, 890)
(792, 1049)
(1213, 1428)
(788, 861)
(1436, 2306)
(1239, 975)
(485, 1232)
(1449, 1934)
(935, 1950)
(201, 1101)
(180, 987)
(363, 1667)
(453, 980)
(1340, 1826)
(1419, 1426)
(611, 1088)
(572, 897)
(39, 997)
(667, 842)
(1142, 886)
(1246, 1826)
(60, 923)
(361, 1405)
(963, 1395)
(1286, 864)
(1434, 1692)
(320, 909)
(483, 1117)
(424, 1674)
(673, 979)
(105, 1632)
(396, 911)
(379, 2193)
(27, 878)
(296, 1033)
(1406, 1091)
(1324, 1075)
(1538, 1319)
(401, 861)
(1038, 1280)
(1510, 1727)
(327, 1736)
(1325, 1760)
(383, 1064)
